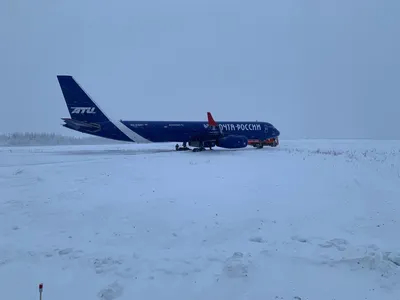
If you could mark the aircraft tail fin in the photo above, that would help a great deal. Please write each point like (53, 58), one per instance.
(80, 106)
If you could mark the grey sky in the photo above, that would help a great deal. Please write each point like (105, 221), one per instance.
(312, 68)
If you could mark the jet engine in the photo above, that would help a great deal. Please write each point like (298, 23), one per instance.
(232, 142)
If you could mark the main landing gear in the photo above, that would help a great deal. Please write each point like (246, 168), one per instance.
(183, 148)
(199, 149)
(199, 146)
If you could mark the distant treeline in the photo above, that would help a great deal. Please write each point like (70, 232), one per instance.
(48, 139)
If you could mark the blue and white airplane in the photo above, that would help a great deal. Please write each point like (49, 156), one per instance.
(87, 117)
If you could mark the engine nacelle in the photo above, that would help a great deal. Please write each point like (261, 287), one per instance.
(232, 142)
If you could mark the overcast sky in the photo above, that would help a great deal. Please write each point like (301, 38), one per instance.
(315, 69)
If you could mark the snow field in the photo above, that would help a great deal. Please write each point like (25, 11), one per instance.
(310, 219)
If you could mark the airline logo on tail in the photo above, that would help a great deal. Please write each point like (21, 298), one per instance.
(82, 110)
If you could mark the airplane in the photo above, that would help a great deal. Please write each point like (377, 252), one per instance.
(87, 117)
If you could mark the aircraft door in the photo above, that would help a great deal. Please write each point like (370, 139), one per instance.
(266, 130)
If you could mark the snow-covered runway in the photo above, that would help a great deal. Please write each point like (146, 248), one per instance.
(310, 219)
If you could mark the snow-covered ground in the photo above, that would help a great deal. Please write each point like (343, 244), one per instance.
(315, 220)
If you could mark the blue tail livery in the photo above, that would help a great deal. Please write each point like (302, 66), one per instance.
(87, 117)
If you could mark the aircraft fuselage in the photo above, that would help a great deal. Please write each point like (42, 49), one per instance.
(174, 131)
(87, 117)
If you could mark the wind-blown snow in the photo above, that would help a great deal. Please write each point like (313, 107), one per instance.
(308, 220)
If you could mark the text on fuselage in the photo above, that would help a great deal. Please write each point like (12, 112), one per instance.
(237, 127)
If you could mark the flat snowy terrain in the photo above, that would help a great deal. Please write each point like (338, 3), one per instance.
(310, 220)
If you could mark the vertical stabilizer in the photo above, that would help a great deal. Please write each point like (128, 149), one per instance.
(79, 104)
